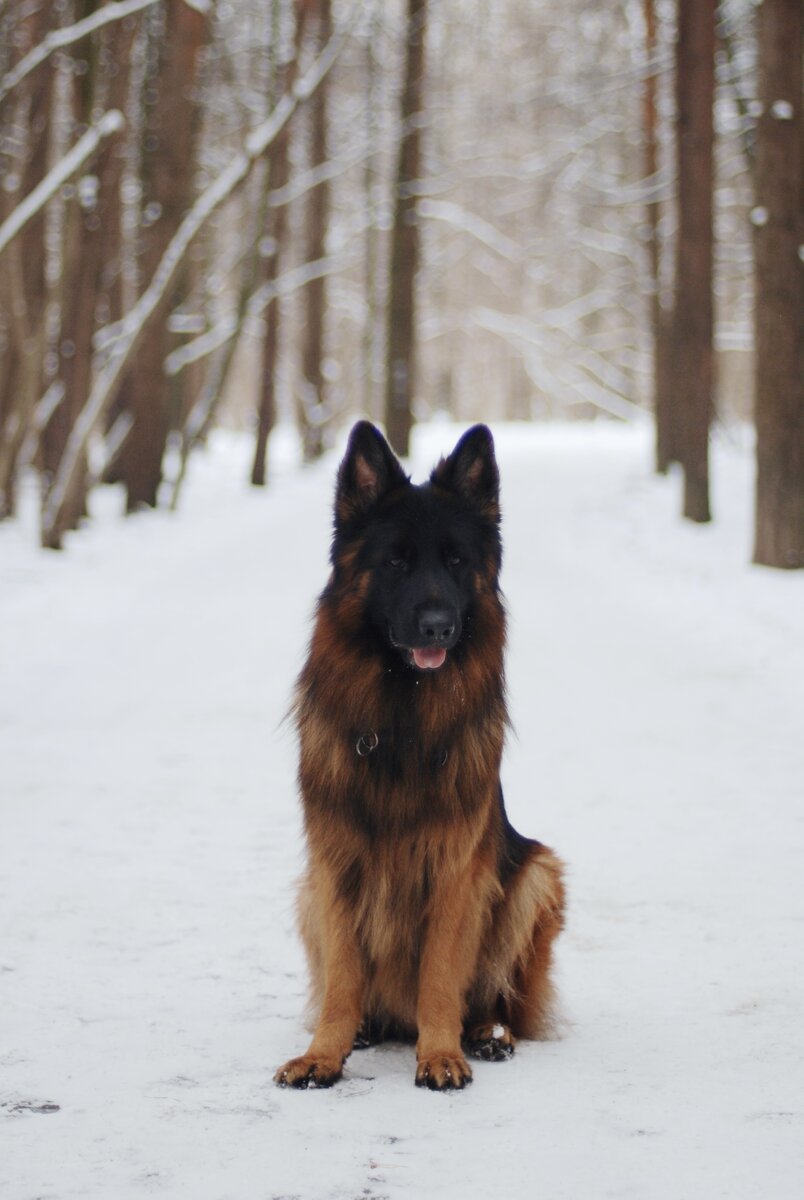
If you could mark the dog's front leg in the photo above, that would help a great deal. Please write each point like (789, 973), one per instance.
(341, 1010)
(447, 967)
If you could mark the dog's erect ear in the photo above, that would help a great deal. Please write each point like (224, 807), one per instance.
(369, 470)
(471, 472)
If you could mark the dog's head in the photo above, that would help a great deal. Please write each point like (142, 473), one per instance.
(423, 552)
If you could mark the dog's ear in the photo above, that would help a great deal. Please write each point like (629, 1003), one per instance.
(369, 470)
(471, 472)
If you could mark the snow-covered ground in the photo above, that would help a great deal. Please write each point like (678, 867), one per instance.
(150, 976)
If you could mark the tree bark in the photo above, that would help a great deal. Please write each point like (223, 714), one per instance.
(660, 323)
(91, 243)
(24, 163)
(693, 309)
(779, 304)
(400, 375)
(312, 400)
(169, 162)
(276, 233)
(372, 338)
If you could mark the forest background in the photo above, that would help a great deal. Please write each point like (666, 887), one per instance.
(244, 212)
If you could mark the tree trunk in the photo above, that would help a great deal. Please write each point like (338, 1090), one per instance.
(660, 324)
(692, 319)
(92, 236)
(24, 285)
(312, 401)
(779, 305)
(169, 164)
(276, 234)
(400, 377)
(371, 341)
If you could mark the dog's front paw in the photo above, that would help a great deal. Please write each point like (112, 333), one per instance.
(309, 1071)
(443, 1072)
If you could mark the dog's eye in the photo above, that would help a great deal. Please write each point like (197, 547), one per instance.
(398, 564)
(454, 560)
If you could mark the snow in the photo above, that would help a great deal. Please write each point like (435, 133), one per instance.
(150, 976)
(68, 35)
(111, 122)
(120, 340)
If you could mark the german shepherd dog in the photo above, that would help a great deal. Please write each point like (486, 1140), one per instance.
(423, 912)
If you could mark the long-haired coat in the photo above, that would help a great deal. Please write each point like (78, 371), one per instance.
(423, 912)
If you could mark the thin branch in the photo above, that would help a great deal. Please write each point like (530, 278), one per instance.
(483, 231)
(229, 327)
(200, 347)
(111, 122)
(58, 38)
(127, 334)
(291, 281)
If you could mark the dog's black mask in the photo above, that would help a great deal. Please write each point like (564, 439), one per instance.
(424, 546)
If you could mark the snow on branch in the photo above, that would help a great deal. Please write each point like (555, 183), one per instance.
(545, 359)
(117, 343)
(291, 281)
(58, 38)
(111, 122)
(202, 346)
(228, 327)
(458, 217)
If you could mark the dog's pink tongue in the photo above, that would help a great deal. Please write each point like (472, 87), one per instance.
(429, 658)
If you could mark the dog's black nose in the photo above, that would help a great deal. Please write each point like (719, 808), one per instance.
(436, 623)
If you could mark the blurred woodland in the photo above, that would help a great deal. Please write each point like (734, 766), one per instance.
(247, 211)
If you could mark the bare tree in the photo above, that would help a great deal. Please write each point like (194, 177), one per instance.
(498, 233)
(400, 379)
(23, 287)
(177, 35)
(660, 318)
(90, 255)
(275, 234)
(779, 313)
(693, 310)
(312, 411)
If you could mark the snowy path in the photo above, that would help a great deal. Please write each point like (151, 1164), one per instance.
(150, 977)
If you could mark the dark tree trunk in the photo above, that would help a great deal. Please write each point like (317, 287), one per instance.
(92, 237)
(169, 164)
(371, 341)
(266, 412)
(312, 401)
(779, 304)
(276, 233)
(660, 323)
(400, 378)
(693, 369)
(24, 285)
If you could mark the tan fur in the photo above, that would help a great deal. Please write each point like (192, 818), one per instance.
(422, 913)
(424, 959)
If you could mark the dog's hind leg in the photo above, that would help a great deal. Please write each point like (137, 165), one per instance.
(512, 995)
(490, 1040)
(532, 1000)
